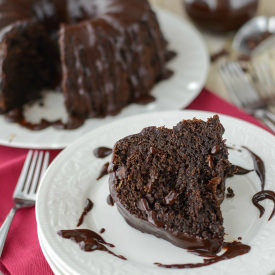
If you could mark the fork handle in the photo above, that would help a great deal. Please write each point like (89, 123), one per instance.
(5, 228)
(266, 117)
(270, 124)
(270, 116)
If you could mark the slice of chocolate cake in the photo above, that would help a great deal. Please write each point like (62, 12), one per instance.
(170, 183)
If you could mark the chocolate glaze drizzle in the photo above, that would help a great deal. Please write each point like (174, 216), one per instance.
(88, 207)
(242, 171)
(102, 152)
(233, 148)
(110, 200)
(233, 250)
(258, 166)
(104, 171)
(145, 99)
(88, 240)
(237, 170)
(262, 195)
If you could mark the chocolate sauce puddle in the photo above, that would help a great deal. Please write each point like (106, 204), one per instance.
(88, 240)
(263, 195)
(102, 152)
(16, 115)
(233, 250)
(88, 207)
(104, 171)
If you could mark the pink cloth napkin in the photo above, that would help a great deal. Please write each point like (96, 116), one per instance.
(22, 253)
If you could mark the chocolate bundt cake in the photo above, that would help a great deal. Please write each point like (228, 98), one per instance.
(171, 182)
(106, 53)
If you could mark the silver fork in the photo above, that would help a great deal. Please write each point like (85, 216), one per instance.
(265, 80)
(243, 93)
(25, 191)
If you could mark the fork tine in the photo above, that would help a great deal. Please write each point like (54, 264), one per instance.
(35, 180)
(30, 173)
(247, 92)
(265, 78)
(43, 169)
(226, 76)
(240, 87)
(23, 175)
(237, 85)
(243, 93)
(45, 163)
(269, 76)
(25, 192)
(262, 74)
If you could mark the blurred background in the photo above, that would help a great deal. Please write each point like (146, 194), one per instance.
(266, 7)
(215, 42)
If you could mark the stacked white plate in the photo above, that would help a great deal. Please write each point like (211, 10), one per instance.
(71, 179)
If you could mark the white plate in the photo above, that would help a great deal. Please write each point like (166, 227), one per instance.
(71, 179)
(190, 70)
(56, 270)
